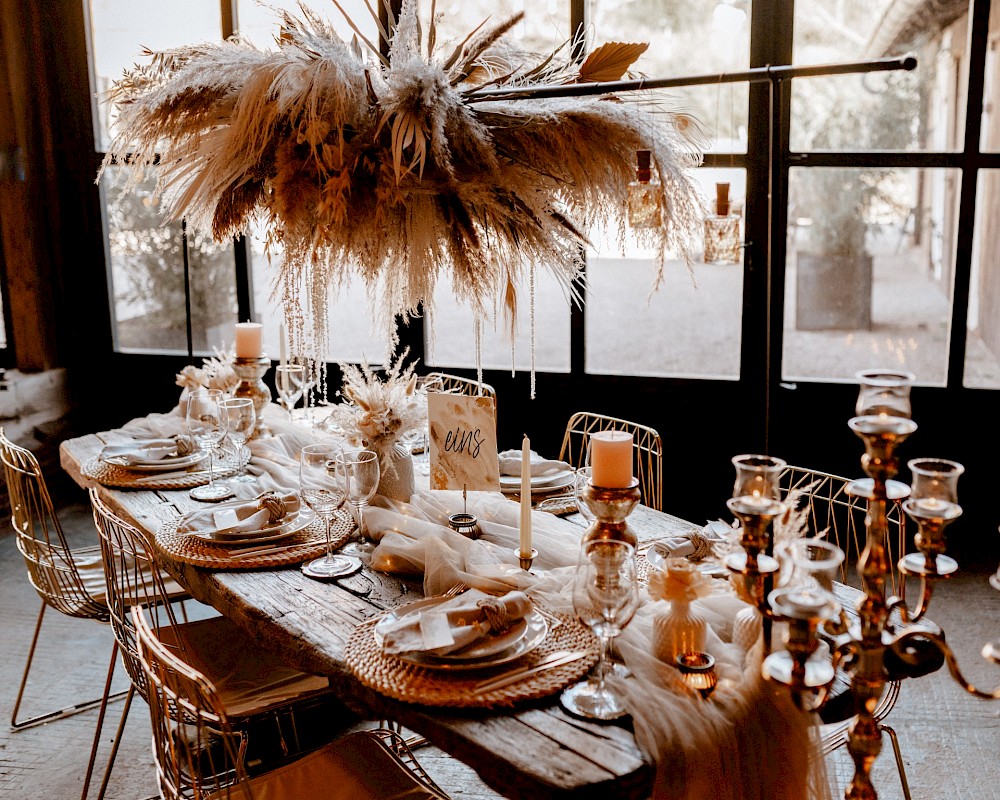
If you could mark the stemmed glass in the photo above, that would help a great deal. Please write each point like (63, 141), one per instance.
(241, 419)
(360, 473)
(207, 426)
(580, 483)
(424, 385)
(321, 489)
(289, 379)
(605, 597)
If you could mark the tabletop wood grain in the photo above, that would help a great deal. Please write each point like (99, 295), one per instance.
(536, 751)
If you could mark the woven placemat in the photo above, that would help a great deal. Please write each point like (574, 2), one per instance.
(308, 543)
(121, 478)
(404, 681)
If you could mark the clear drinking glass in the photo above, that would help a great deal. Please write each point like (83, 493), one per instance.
(207, 426)
(583, 476)
(322, 490)
(360, 473)
(241, 419)
(605, 597)
(422, 459)
(289, 380)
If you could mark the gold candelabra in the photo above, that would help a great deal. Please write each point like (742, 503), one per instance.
(885, 624)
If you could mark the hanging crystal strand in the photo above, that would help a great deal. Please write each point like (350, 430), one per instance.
(477, 327)
(531, 289)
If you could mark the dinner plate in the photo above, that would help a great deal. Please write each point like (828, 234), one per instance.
(511, 484)
(531, 633)
(268, 534)
(163, 465)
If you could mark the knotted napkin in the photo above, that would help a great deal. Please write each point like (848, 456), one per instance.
(266, 510)
(455, 624)
(149, 451)
(510, 464)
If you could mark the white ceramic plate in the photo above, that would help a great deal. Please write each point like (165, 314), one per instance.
(163, 465)
(520, 639)
(269, 534)
(510, 484)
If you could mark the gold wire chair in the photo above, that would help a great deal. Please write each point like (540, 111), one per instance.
(456, 384)
(220, 649)
(199, 754)
(70, 581)
(842, 517)
(647, 448)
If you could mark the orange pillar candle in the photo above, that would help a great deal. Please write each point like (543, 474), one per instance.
(249, 340)
(611, 459)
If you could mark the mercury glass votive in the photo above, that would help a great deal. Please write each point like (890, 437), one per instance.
(611, 507)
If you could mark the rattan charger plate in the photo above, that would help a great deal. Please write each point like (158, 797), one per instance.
(122, 478)
(410, 683)
(308, 543)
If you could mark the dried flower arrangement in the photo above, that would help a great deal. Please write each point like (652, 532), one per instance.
(215, 372)
(380, 410)
(678, 580)
(393, 167)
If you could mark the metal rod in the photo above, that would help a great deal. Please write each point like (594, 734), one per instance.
(755, 75)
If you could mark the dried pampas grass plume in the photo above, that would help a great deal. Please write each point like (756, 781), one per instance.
(391, 169)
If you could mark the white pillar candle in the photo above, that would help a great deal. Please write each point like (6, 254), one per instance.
(249, 340)
(282, 345)
(525, 540)
(611, 459)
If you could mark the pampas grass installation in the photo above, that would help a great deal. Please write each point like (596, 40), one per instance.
(387, 166)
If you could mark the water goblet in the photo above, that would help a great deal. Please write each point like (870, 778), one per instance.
(288, 380)
(322, 490)
(360, 473)
(241, 419)
(422, 459)
(605, 597)
(580, 483)
(207, 426)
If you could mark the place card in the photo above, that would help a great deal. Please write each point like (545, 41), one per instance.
(463, 439)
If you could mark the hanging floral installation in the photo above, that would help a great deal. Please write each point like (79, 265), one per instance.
(396, 167)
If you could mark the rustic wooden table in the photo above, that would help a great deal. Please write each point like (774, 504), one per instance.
(538, 751)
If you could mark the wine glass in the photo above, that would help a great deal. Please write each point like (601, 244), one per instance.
(359, 470)
(321, 489)
(241, 419)
(425, 384)
(310, 382)
(289, 379)
(580, 483)
(207, 426)
(605, 597)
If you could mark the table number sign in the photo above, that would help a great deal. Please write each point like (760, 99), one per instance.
(463, 442)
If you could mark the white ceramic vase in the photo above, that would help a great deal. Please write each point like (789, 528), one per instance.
(680, 630)
(396, 479)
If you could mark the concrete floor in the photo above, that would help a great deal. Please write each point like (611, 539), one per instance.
(950, 741)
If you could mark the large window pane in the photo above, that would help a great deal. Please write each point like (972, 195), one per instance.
(258, 23)
(689, 328)
(982, 354)
(919, 110)
(544, 28)
(691, 38)
(451, 340)
(146, 278)
(870, 272)
(990, 131)
(352, 336)
(121, 29)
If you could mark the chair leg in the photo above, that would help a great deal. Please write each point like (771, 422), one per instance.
(100, 721)
(899, 760)
(69, 711)
(116, 743)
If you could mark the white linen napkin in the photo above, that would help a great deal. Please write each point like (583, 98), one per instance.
(455, 623)
(694, 544)
(148, 451)
(246, 517)
(510, 464)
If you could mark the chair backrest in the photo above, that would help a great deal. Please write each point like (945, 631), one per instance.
(842, 516)
(40, 539)
(647, 450)
(132, 578)
(197, 752)
(456, 384)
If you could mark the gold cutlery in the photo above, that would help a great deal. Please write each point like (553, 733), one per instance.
(266, 550)
(557, 659)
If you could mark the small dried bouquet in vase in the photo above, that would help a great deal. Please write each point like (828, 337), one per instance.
(379, 411)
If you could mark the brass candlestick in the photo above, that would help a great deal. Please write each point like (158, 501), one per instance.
(611, 508)
(251, 372)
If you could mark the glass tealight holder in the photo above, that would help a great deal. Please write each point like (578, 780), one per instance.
(698, 671)
(884, 393)
(813, 565)
(757, 478)
(933, 505)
